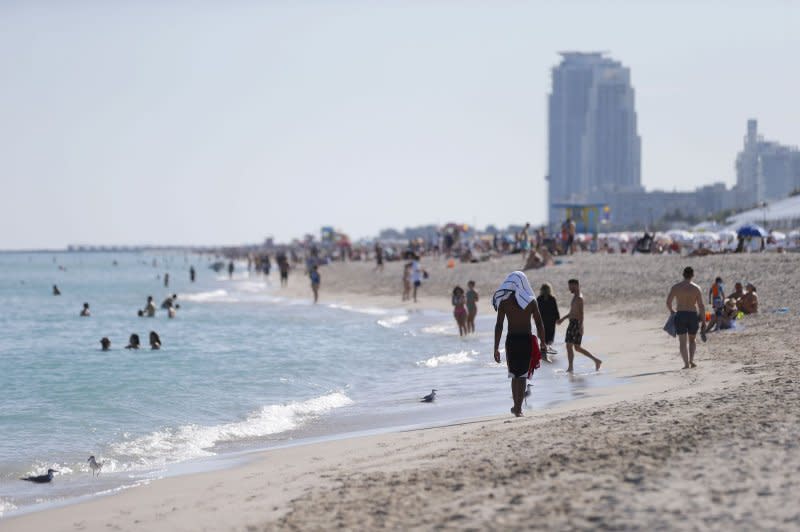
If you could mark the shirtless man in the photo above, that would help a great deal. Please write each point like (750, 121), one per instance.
(574, 335)
(737, 294)
(690, 311)
(749, 302)
(518, 343)
(150, 307)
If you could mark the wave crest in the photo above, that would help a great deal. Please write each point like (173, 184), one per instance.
(462, 357)
(193, 441)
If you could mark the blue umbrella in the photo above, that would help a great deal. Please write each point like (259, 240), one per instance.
(751, 230)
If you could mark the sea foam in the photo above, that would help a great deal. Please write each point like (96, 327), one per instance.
(392, 322)
(161, 447)
(462, 357)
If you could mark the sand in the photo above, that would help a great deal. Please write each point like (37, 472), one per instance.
(714, 448)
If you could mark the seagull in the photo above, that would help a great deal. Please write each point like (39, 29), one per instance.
(41, 479)
(429, 398)
(95, 466)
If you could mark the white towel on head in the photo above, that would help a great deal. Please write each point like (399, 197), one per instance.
(516, 283)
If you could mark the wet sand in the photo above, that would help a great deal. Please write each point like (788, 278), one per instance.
(711, 448)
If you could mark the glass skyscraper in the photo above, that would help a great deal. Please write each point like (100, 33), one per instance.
(594, 148)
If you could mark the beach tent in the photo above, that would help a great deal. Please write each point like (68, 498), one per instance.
(751, 230)
(706, 237)
(679, 235)
(783, 213)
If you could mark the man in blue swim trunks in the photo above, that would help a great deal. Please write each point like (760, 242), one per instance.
(689, 312)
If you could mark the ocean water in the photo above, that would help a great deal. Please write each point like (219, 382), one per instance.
(241, 367)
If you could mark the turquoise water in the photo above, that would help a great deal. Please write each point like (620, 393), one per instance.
(241, 367)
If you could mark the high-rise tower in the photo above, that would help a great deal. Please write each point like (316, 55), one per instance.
(594, 146)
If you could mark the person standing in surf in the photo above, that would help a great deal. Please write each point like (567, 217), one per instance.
(515, 301)
(459, 311)
(315, 282)
(548, 307)
(472, 306)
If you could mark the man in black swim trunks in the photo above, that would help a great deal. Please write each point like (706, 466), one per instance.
(690, 313)
(519, 344)
(574, 334)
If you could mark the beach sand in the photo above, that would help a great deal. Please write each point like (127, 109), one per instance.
(714, 448)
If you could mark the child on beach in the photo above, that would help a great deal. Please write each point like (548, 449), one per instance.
(716, 296)
(459, 310)
(472, 307)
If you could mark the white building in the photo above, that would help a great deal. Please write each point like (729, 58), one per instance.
(765, 171)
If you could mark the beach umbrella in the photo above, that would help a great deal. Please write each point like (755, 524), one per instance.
(662, 237)
(778, 236)
(706, 237)
(751, 230)
(680, 235)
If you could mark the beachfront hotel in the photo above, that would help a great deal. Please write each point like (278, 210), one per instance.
(765, 171)
(594, 147)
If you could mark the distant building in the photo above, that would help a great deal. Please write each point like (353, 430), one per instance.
(637, 209)
(765, 171)
(594, 148)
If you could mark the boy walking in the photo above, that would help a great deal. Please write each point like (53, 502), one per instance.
(574, 335)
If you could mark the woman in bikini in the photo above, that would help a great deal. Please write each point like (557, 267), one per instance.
(460, 310)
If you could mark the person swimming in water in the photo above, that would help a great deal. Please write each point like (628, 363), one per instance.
(105, 344)
(155, 341)
(169, 302)
(459, 310)
(85, 311)
(56, 291)
(133, 342)
(150, 307)
(173, 311)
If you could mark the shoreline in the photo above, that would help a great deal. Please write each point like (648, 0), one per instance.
(635, 381)
(235, 455)
(711, 448)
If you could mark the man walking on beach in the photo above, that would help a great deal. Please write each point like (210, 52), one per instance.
(516, 301)
(688, 313)
(574, 335)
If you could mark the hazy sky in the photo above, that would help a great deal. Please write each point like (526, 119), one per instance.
(225, 122)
